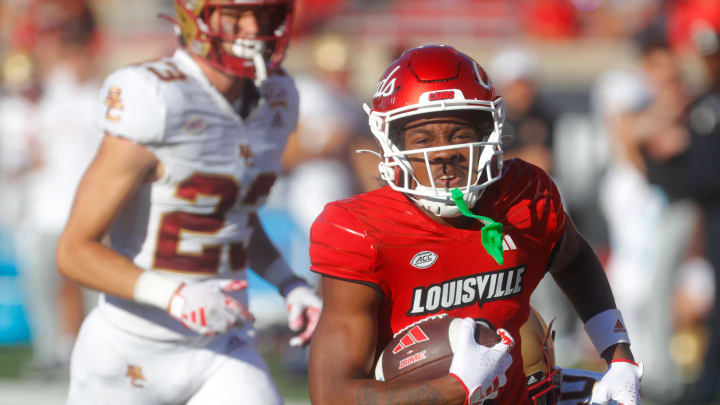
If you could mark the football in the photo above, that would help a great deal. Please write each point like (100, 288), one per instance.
(424, 350)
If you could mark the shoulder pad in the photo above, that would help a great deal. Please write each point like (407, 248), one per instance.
(132, 105)
(339, 246)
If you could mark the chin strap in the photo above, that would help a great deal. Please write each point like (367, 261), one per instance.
(490, 235)
(260, 69)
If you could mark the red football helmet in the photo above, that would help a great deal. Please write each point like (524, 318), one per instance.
(251, 57)
(429, 80)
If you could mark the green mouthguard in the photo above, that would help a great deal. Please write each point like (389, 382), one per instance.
(490, 235)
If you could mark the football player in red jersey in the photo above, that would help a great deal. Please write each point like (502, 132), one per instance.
(456, 230)
(192, 146)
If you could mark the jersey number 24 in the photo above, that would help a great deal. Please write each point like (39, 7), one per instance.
(173, 224)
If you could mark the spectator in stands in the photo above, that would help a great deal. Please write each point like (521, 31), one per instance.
(318, 154)
(688, 167)
(528, 130)
(647, 239)
(55, 145)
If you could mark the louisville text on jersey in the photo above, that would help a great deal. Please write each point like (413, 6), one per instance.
(469, 290)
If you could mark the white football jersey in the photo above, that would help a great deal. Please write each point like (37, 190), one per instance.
(219, 168)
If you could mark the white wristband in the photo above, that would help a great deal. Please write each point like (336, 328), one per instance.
(606, 329)
(154, 289)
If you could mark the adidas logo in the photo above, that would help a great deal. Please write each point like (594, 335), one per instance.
(619, 327)
(414, 335)
(508, 243)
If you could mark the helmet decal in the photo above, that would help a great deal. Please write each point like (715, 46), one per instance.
(480, 79)
(386, 86)
(248, 56)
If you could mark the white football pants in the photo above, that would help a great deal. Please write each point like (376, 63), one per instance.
(111, 366)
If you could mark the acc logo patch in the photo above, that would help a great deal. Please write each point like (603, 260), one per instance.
(424, 259)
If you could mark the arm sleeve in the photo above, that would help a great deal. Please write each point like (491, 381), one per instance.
(132, 106)
(293, 103)
(339, 247)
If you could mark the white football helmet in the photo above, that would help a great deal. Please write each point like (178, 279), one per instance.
(429, 80)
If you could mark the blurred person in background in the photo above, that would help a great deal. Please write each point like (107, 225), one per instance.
(686, 166)
(317, 158)
(675, 253)
(48, 144)
(528, 130)
(647, 237)
(19, 95)
(192, 146)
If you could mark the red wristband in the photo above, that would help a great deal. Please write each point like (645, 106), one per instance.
(624, 361)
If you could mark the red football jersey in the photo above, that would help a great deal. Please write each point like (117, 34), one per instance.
(421, 267)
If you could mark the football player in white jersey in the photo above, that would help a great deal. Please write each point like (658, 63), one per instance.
(192, 146)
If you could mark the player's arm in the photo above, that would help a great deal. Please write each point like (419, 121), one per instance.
(266, 261)
(343, 350)
(119, 167)
(116, 171)
(579, 273)
(302, 302)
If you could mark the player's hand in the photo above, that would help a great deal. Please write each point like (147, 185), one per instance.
(303, 307)
(205, 308)
(620, 383)
(481, 369)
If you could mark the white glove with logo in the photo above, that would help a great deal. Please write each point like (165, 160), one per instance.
(481, 369)
(303, 307)
(620, 383)
(205, 308)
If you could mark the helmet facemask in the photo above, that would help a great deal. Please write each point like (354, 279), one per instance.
(484, 156)
(242, 56)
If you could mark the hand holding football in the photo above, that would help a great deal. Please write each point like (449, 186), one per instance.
(424, 350)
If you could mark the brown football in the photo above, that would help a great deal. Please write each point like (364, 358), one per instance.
(423, 350)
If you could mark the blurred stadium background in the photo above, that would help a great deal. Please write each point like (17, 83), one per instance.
(561, 51)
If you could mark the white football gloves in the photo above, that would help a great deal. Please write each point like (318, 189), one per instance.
(205, 308)
(620, 383)
(303, 307)
(481, 369)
